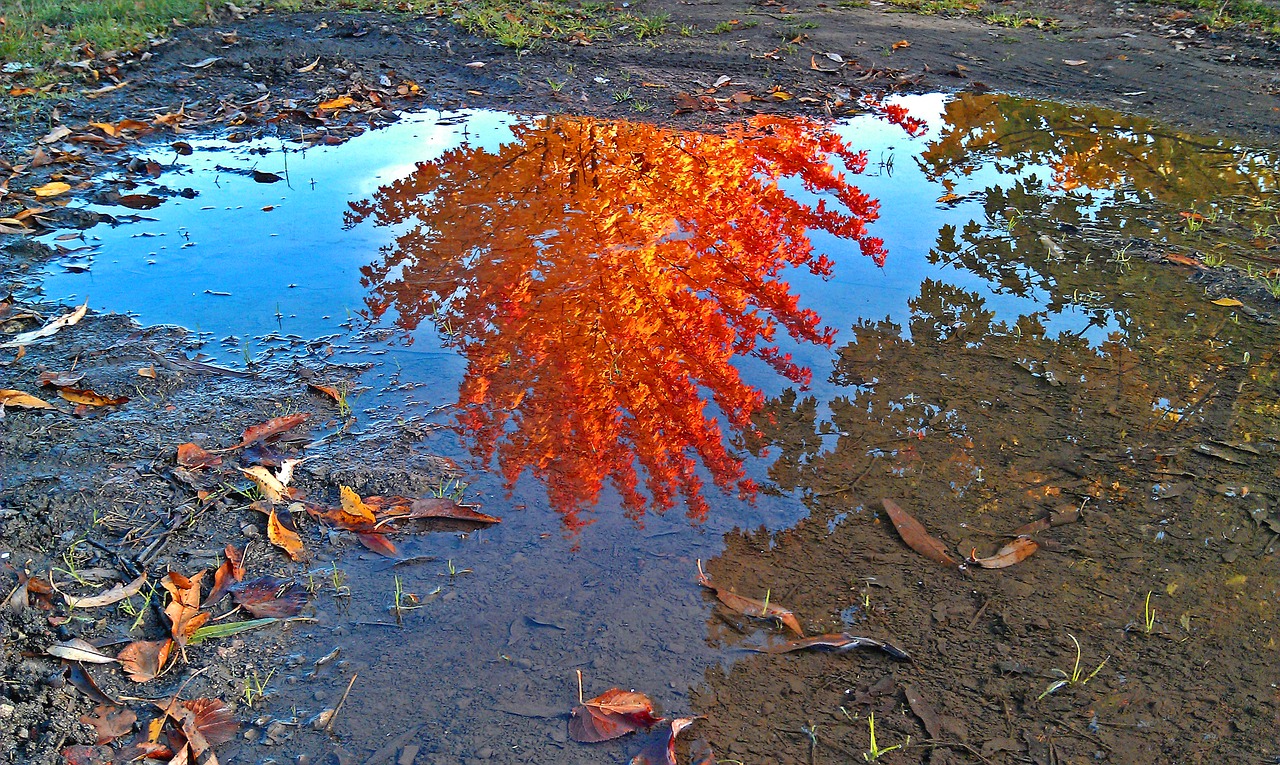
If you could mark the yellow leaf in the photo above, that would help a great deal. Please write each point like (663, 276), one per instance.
(24, 400)
(51, 189)
(105, 127)
(341, 102)
(283, 537)
(271, 488)
(351, 503)
(1228, 302)
(1237, 580)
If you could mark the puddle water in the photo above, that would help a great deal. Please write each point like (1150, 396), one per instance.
(654, 347)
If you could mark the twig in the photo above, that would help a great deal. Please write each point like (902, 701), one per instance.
(978, 615)
(329, 725)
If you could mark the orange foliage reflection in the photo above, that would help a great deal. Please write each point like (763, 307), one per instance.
(599, 277)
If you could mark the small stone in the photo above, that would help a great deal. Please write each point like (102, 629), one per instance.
(408, 755)
(524, 663)
(252, 734)
(250, 531)
(485, 752)
(6, 711)
(303, 759)
(321, 720)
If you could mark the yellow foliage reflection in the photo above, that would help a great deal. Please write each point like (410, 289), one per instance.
(599, 278)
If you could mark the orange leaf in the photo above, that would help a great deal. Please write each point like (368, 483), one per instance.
(378, 542)
(914, 534)
(53, 189)
(900, 45)
(612, 714)
(750, 607)
(231, 570)
(183, 610)
(22, 400)
(353, 506)
(341, 102)
(284, 537)
(271, 428)
(89, 398)
(142, 660)
(192, 456)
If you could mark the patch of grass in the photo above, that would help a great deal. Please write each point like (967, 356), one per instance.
(526, 24)
(1228, 13)
(1076, 676)
(41, 32)
(1017, 20)
(933, 7)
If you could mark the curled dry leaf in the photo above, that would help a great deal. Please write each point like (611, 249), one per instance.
(16, 398)
(913, 533)
(280, 532)
(192, 456)
(76, 649)
(612, 714)
(231, 571)
(111, 722)
(113, 595)
(438, 507)
(148, 372)
(1015, 552)
(662, 751)
(838, 641)
(66, 320)
(757, 609)
(270, 597)
(143, 660)
(183, 610)
(89, 398)
(327, 390)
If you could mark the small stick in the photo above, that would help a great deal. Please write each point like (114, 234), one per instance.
(580, 701)
(329, 725)
(978, 615)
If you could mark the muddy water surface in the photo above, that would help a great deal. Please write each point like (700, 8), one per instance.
(651, 347)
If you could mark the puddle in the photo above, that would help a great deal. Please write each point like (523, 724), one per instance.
(656, 347)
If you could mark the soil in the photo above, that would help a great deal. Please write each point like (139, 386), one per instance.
(1164, 697)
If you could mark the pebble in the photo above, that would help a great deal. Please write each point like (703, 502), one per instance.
(558, 736)
(408, 755)
(252, 734)
(485, 752)
(6, 711)
(251, 531)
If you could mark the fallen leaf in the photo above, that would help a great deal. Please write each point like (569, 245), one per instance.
(270, 429)
(913, 533)
(1182, 260)
(268, 484)
(147, 372)
(17, 398)
(214, 719)
(1074, 61)
(839, 641)
(438, 507)
(52, 189)
(612, 714)
(327, 390)
(341, 102)
(203, 63)
(284, 537)
(352, 505)
(932, 723)
(143, 660)
(1211, 450)
(663, 751)
(1015, 552)
(81, 754)
(309, 67)
(55, 135)
(227, 629)
(183, 610)
(76, 649)
(113, 595)
(60, 379)
(899, 45)
(182, 148)
(192, 456)
(111, 722)
(1228, 302)
(270, 596)
(750, 607)
(1058, 517)
(80, 678)
(89, 398)
(378, 543)
(231, 571)
(66, 320)
(260, 176)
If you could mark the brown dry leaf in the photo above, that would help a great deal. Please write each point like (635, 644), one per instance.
(113, 595)
(612, 714)
(838, 641)
(270, 597)
(309, 67)
(231, 571)
(439, 507)
(284, 537)
(80, 754)
(913, 533)
(213, 719)
(17, 398)
(353, 506)
(267, 483)
(51, 189)
(899, 45)
(270, 429)
(663, 751)
(192, 456)
(1060, 516)
(327, 390)
(143, 660)
(110, 721)
(1182, 260)
(341, 102)
(147, 372)
(183, 610)
(89, 398)
(749, 607)
(1015, 552)
(60, 379)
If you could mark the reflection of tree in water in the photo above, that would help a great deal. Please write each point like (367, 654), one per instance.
(600, 276)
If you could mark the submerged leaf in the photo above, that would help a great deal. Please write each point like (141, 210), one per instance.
(839, 641)
(750, 607)
(914, 534)
(663, 751)
(612, 714)
(270, 596)
(1015, 552)
(271, 428)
